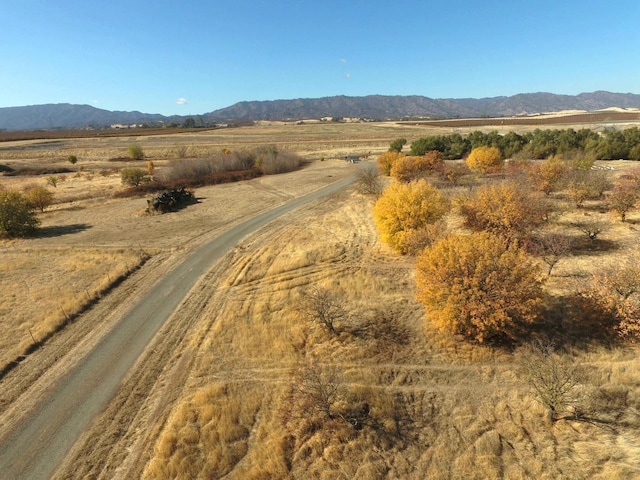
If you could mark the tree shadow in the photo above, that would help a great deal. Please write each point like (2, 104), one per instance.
(585, 246)
(60, 230)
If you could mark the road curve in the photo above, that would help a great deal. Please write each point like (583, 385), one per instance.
(38, 444)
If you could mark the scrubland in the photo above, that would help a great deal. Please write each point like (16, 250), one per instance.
(253, 389)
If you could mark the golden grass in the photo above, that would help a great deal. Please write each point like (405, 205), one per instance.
(38, 293)
(438, 408)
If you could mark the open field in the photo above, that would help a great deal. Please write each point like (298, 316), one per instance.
(221, 389)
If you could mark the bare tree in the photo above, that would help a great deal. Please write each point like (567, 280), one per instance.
(553, 377)
(552, 248)
(368, 179)
(317, 388)
(324, 306)
(592, 228)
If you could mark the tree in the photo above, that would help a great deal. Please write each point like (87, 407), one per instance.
(478, 286)
(135, 152)
(623, 198)
(132, 176)
(368, 179)
(189, 123)
(591, 227)
(386, 161)
(324, 306)
(552, 248)
(485, 160)
(504, 209)
(39, 197)
(53, 181)
(17, 218)
(406, 207)
(548, 175)
(406, 169)
(616, 292)
(554, 378)
(397, 144)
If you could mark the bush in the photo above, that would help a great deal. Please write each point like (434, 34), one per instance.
(17, 218)
(478, 286)
(404, 208)
(387, 160)
(132, 177)
(39, 197)
(368, 179)
(406, 169)
(485, 160)
(135, 152)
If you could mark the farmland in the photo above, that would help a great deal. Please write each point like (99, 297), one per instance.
(221, 389)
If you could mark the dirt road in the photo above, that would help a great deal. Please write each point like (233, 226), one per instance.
(37, 443)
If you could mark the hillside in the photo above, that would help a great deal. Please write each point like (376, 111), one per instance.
(379, 107)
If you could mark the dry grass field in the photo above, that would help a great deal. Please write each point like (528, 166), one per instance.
(240, 386)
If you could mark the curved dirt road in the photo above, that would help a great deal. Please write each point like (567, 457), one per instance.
(38, 444)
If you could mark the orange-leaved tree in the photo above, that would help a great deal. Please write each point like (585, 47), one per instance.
(386, 161)
(405, 208)
(485, 160)
(479, 287)
(504, 209)
(410, 168)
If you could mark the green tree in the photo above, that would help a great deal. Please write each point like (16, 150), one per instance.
(72, 159)
(39, 197)
(132, 176)
(397, 144)
(17, 216)
(478, 286)
(135, 152)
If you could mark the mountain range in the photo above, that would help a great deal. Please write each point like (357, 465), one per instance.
(375, 107)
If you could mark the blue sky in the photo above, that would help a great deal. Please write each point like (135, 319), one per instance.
(190, 58)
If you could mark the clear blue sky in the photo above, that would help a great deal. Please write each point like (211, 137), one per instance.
(193, 57)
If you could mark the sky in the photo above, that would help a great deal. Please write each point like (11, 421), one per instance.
(190, 58)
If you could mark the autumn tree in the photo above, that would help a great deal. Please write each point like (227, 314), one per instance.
(548, 175)
(39, 197)
(478, 286)
(404, 208)
(623, 198)
(410, 168)
(17, 217)
(386, 161)
(485, 160)
(616, 291)
(504, 209)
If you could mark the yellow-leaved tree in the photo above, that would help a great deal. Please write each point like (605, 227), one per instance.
(479, 287)
(485, 160)
(405, 208)
(410, 168)
(387, 160)
(504, 209)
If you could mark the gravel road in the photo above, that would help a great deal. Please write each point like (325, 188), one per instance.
(37, 445)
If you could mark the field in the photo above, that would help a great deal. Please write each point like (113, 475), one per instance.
(235, 384)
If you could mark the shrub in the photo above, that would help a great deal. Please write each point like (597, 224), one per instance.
(386, 161)
(132, 177)
(135, 152)
(17, 218)
(368, 179)
(406, 169)
(503, 209)
(478, 286)
(39, 197)
(406, 207)
(485, 160)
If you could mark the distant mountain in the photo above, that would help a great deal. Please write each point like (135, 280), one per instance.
(376, 107)
(65, 115)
